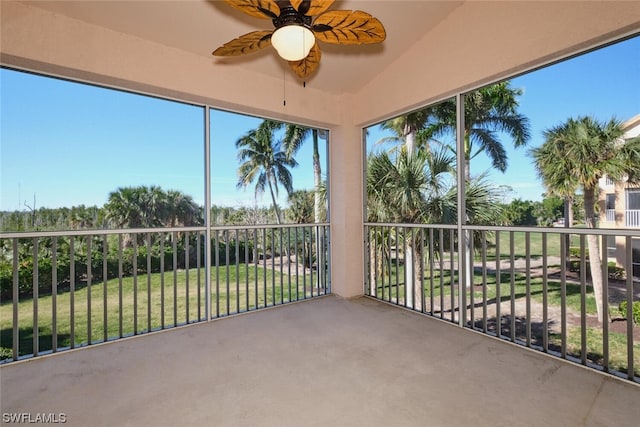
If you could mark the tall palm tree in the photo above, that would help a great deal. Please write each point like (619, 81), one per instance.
(294, 138)
(576, 154)
(488, 111)
(265, 161)
(406, 128)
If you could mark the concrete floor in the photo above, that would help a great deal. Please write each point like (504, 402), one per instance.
(323, 362)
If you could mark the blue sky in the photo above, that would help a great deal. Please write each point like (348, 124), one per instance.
(604, 83)
(71, 144)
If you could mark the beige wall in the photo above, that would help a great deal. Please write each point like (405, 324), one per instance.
(477, 43)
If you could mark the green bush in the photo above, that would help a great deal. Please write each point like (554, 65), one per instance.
(6, 353)
(622, 309)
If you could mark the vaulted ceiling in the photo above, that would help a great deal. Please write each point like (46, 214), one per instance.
(201, 26)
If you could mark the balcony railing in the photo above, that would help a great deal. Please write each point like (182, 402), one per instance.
(610, 215)
(530, 286)
(62, 290)
(632, 217)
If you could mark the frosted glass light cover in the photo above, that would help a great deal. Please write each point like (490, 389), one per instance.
(293, 42)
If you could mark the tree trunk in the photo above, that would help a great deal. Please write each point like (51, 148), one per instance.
(410, 141)
(273, 199)
(595, 263)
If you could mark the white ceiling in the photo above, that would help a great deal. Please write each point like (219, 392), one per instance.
(200, 26)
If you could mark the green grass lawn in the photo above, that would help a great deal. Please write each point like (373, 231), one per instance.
(149, 302)
(435, 285)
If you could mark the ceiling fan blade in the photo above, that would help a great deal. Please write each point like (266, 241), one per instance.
(247, 43)
(311, 7)
(348, 27)
(305, 67)
(264, 9)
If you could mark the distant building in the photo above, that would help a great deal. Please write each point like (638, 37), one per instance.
(620, 208)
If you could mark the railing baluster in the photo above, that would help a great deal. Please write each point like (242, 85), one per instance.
(484, 281)
(246, 269)
(311, 281)
(273, 267)
(135, 284)
(186, 276)
(471, 279)
(148, 239)
(174, 254)
(295, 250)
(264, 269)
(282, 252)
(289, 262)
(527, 245)
(54, 294)
(563, 297)
(583, 302)
(545, 298)
(217, 250)
(72, 290)
(237, 256)
(225, 235)
(512, 288)
(629, 313)
(89, 285)
(198, 271)
(120, 306)
(441, 272)
(255, 268)
(605, 304)
(36, 334)
(105, 279)
(162, 296)
(451, 275)
(16, 300)
(498, 284)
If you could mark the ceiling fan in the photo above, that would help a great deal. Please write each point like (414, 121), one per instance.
(299, 25)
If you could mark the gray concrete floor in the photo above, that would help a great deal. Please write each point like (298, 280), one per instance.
(323, 362)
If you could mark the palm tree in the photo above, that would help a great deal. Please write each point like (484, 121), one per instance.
(576, 154)
(265, 161)
(408, 189)
(488, 111)
(180, 209)
(294, 137)
(407, 127)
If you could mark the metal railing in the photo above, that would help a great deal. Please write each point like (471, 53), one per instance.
(632, 217)
(62, 290)
(530, 286)
(610, 215)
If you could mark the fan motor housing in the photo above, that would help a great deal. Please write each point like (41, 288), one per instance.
(290, 16)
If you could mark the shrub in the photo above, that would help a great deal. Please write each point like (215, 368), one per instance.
(622, 309)
(6, 353)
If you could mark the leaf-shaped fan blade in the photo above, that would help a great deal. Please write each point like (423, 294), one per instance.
(264, 9)
(348, 27)
(247, 43)
(311, 7)
(305, 67)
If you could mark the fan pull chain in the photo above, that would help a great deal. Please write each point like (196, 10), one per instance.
(284, 89)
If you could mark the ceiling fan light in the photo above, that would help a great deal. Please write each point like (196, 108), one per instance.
(293, 42)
